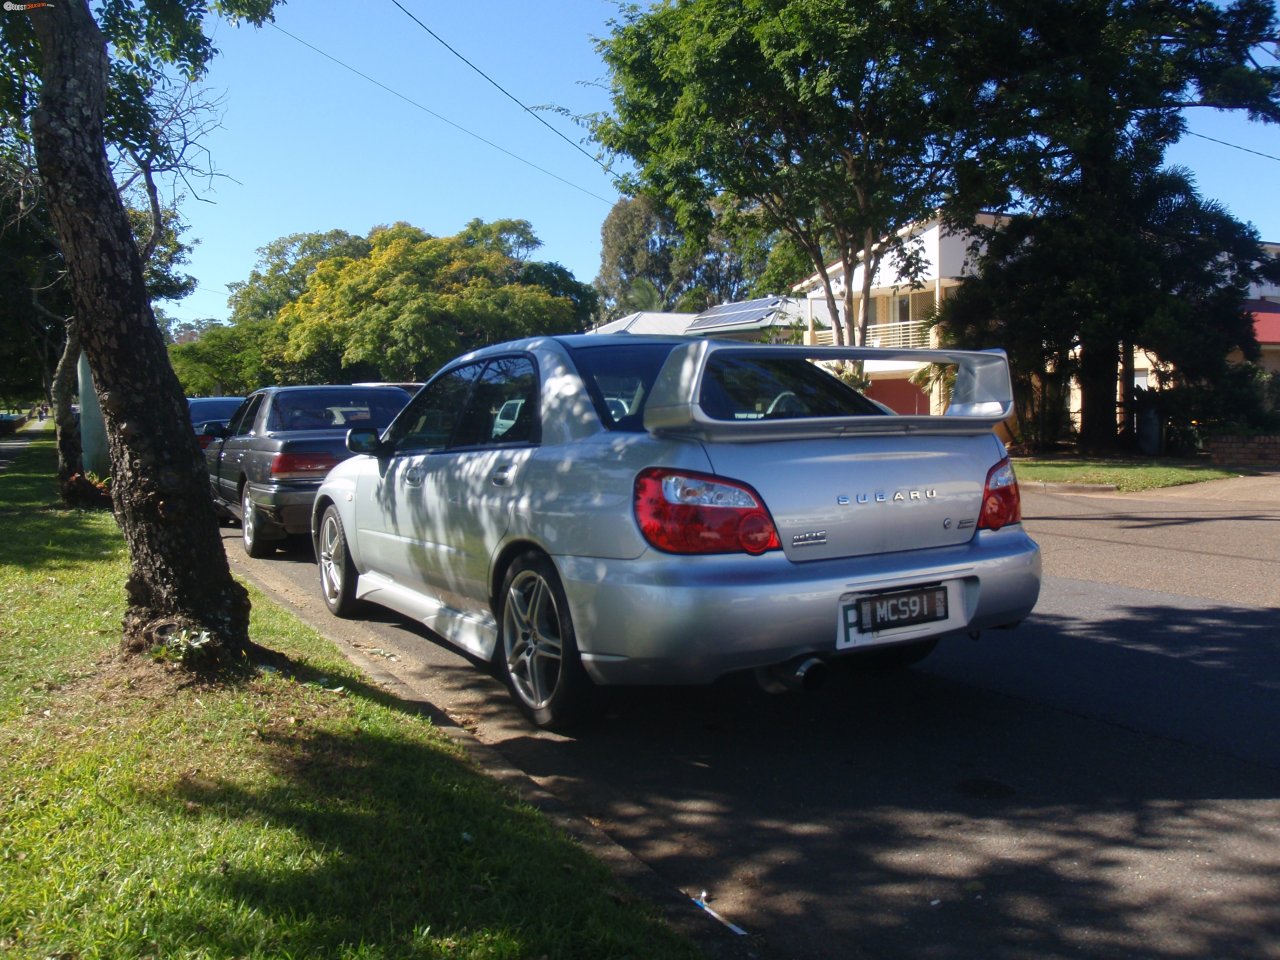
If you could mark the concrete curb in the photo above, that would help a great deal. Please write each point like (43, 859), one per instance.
(1046, 487)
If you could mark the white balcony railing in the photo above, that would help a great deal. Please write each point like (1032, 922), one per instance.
(911, 336)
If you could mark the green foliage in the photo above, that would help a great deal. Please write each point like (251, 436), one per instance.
(282, 271)
(152, 42)
(834, 122)
(1114, 251)
(648, 263)
(332, 307)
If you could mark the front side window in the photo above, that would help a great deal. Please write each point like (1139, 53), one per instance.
(503, 407)
(488, 403)
(428, 421)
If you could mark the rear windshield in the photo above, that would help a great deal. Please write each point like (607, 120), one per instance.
(737, 386)
(336, 409)
(205, 409)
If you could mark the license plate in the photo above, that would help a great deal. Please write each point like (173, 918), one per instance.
(902, 608)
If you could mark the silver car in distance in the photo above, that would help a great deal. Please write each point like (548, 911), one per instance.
(597, 510)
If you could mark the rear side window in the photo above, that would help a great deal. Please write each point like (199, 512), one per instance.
(243, 419)
(618, 378)
(737, 386)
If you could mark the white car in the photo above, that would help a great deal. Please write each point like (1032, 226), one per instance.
(603, 510)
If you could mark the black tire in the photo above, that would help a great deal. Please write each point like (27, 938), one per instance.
(897, 657)
(337, 571)
(537, 649)
(255, 544)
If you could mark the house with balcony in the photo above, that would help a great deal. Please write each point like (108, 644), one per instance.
(898, 308)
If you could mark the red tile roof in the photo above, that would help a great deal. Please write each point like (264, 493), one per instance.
(1266, 320)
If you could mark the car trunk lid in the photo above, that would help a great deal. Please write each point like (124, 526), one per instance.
(855, 496)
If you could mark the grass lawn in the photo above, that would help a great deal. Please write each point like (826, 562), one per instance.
(295, 814)
(1127, 475)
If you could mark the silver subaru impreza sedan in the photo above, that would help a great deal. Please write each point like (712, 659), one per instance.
(597, 510)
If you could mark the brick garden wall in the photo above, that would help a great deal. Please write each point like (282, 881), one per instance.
(1245, 451)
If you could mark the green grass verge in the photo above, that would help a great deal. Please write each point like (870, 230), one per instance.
(1126, 475)
(305, 815)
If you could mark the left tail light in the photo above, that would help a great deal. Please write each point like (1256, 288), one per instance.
(692, 513)
(301, 466)
(1001, 502)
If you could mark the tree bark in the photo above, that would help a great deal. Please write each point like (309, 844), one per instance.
(1097, 374)
(74, 489)
(179, 577)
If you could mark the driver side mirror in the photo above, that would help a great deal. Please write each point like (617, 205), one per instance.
(366, 440)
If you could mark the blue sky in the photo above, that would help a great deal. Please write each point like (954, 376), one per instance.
(306, 144)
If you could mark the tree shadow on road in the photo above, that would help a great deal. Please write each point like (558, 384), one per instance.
(918, 814)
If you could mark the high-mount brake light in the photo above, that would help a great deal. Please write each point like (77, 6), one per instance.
(693, 513)
(301, 466)
(1001, 502)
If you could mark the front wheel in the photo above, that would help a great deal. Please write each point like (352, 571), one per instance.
(255, 545)
(337, 571)
(538, 651)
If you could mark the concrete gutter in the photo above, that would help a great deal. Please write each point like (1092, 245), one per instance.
(1043, 486)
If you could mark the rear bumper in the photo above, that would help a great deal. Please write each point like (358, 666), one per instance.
(286, 508)
(675, 620)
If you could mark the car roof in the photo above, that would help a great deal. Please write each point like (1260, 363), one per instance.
(332, 388)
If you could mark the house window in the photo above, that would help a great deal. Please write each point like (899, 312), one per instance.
(903, 309)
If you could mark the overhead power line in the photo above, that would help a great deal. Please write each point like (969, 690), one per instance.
(505, 92)
(442, 119)
(1234, 146)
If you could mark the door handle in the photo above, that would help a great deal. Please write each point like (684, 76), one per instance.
(413, 477)
(502, 476)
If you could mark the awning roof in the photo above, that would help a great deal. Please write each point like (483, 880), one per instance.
(1266, 320)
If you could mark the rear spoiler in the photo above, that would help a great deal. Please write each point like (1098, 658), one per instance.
(981, 398)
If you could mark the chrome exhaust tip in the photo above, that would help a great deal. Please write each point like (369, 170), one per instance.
(804, 674)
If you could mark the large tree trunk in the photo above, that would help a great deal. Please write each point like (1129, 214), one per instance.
(74, 488)
(1098, 365)
(179, 577)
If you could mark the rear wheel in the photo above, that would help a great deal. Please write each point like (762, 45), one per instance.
(538, 651)
(337, 571)
(255, 545)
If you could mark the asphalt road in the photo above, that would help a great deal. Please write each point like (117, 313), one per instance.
(1102, 782)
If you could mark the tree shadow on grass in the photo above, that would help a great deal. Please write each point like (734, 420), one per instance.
(397, 845)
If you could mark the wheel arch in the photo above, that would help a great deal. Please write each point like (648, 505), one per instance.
(506, 556)
(321, 503)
